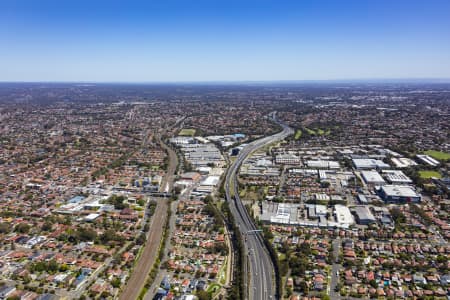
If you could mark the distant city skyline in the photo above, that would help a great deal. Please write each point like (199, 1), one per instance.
(223, 41)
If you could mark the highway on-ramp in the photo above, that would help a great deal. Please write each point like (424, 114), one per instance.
(257, 261)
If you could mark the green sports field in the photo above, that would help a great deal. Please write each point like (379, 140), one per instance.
(429, 174)
(439, 155)
(187, 132)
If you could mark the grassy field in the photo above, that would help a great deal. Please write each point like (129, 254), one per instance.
(310, 131)
(317, 131)
(249, 194)
(298, 134)
(428, 174)
(438, 154)
(222, 272)
(213, 288)
(187, 132)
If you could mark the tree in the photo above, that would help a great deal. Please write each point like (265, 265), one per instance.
(116, 282)
(117, 201)
(140, 239)
(284, 267)
(5, 227)
(268, 235)
(188, 167)
(208, 199)
(67, 220)
(304, 287)
(47, 226)
(221, 247)
(203, 295)
(85, 234)
(22, 228)
(398, 216)
(110, 235)
(325, 184)
(177, 190)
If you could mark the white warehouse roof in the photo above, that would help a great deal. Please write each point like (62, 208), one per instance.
(399, 191)
(372, 177)
(343, 215)
(211, 181)
(368, 163)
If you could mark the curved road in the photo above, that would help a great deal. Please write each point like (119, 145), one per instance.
(257, 260)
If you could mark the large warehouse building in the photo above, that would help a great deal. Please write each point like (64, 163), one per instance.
(368, 163)
(372, 178)
(399, 194)
(363, 215)
(343, 215)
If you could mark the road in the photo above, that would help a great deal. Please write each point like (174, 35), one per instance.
(81, 289)
(260, 267)
(336, 267)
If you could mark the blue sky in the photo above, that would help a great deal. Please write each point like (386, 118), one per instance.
(215, 40)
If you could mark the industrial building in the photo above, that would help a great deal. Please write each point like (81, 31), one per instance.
(396, 177)
(369, 163)
(399, 194)
(323, 164)
(211, 181)
(281, 213)
(362, 199)
(343, 215)
(363, 215)
(372, 178)
(428, 160)
(288, 159)
(316, 210)
(182, 140)
(403, 162)
(291, 214)
(190, 176)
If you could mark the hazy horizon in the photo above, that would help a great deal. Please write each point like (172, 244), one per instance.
(237, 82)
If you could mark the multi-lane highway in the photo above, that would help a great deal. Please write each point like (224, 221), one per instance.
(258, 265)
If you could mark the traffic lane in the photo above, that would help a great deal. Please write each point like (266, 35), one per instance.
(334, 281)
(260, 263)
(256, 270)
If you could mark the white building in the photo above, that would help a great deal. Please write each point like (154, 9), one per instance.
(181, 140)
(323, 164)
(343, 215)
(369, 163)
(399, 194)
(428, 160)
(372, 177)
(396, 177)
(210, 181)
(403, 162)
(287, 159)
